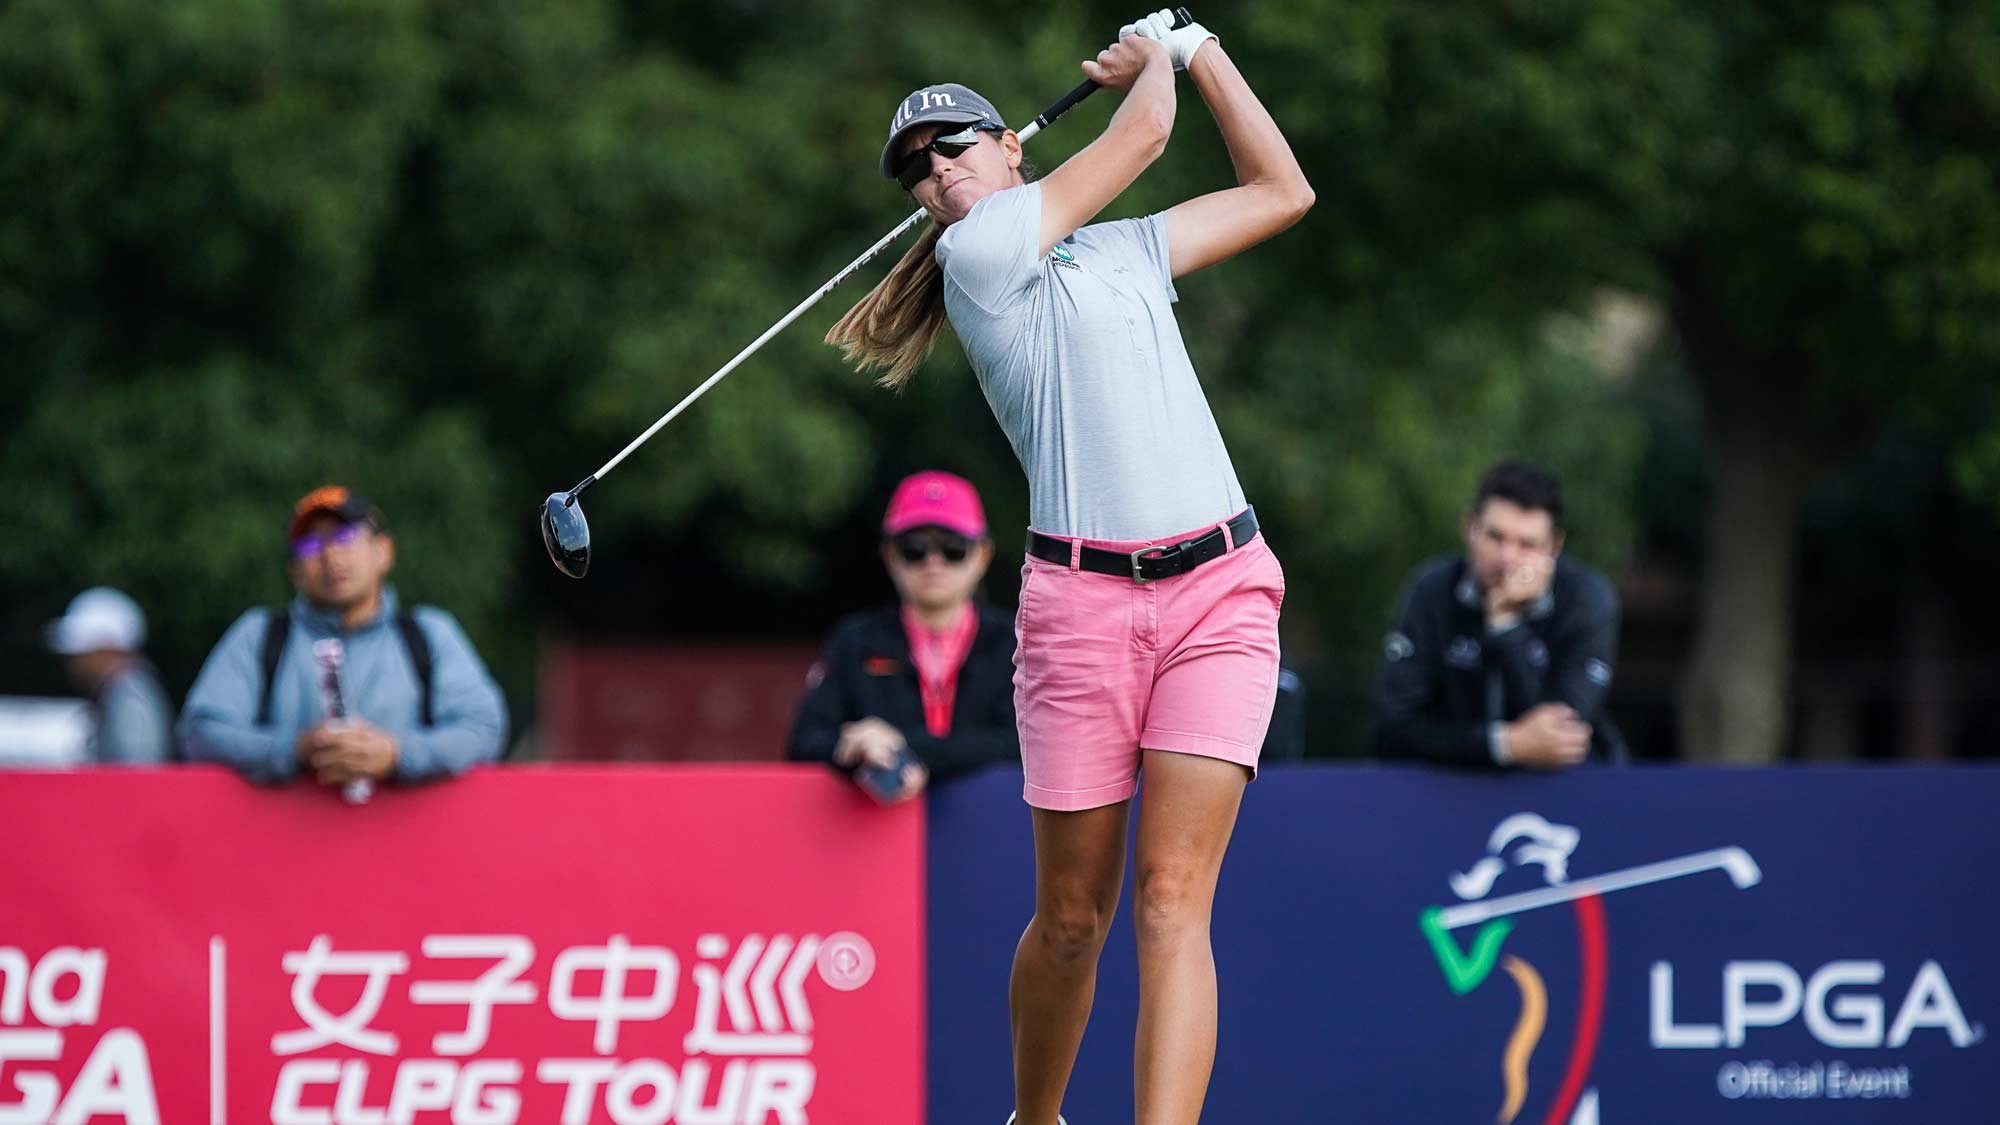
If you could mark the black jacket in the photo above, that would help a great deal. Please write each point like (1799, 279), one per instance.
(865, 670)
(1439, 666)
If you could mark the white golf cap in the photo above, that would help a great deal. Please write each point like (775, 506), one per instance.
(98, 618)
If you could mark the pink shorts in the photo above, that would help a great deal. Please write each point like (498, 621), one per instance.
(1107, 667)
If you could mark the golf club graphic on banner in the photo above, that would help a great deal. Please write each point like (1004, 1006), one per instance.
(1537, 843)
(1641, 947)
(565, 531)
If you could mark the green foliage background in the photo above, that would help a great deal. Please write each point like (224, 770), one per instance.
(458, 253)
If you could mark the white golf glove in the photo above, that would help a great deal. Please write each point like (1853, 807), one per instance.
(1181, 42)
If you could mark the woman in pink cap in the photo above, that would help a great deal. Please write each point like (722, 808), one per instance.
(1148, 626)
(920, 691)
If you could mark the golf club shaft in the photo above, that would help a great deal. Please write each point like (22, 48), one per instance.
(1061, 106)
(759, 342)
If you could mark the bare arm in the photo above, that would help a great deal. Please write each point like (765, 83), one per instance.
(1271, 192)
(1137, 134)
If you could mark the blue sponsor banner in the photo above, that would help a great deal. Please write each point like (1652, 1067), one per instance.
(1642, 946)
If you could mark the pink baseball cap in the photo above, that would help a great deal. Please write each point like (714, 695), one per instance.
(935, 499)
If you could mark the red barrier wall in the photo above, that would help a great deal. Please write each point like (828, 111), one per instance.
(697, 944)
(673, 703)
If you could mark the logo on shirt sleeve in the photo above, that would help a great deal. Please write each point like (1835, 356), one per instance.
(1398, 647)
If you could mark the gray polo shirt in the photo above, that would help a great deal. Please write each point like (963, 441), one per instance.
(1082, 361)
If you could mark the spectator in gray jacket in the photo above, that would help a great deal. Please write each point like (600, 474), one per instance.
(345, 684)
(100, 638)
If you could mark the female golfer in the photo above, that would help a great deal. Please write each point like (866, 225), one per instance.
(1148, 625)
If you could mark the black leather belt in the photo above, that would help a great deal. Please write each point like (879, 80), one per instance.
(1149, 564)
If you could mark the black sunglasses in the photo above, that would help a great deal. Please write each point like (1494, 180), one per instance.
(916, 164)
(913, 548)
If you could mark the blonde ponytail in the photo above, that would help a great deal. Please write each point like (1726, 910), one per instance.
(896, 325)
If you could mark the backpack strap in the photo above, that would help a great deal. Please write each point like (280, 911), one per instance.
(419, 648)
(277, 625)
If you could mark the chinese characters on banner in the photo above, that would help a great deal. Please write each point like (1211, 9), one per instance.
(717, 947)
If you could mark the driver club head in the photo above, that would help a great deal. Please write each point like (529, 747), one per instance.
(566, 533)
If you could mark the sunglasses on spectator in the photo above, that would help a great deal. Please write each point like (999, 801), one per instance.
(913, 549)
(312, 546)
(912, 168)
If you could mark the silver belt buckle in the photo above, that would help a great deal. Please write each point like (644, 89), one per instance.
(1156, 552)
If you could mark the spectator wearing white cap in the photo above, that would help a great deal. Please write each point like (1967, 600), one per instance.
(100, 638)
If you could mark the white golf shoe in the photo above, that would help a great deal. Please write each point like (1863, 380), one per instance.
(1059, 1119)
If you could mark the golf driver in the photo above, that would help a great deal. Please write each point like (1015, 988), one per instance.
(566, 533)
